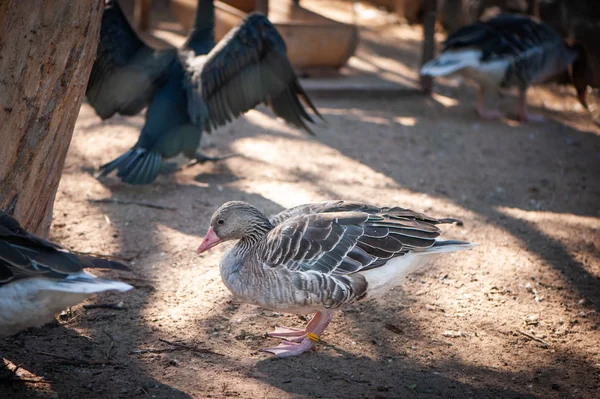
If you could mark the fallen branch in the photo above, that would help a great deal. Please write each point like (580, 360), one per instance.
(104, 306)
(533, 337)
(123, 202)
(23, 380)
(138, 283)
(105, 256)
(154, 350)
(74, 362)
(190, 348)
(112, 343)
(54, 355)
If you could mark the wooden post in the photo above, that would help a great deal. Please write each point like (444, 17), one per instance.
(262, 6)
(534, 8)
(400, 9)
(453, 15)
(428, 41)
(141, 14)
(47, 56)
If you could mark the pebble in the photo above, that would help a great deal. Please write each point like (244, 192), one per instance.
(452, 334)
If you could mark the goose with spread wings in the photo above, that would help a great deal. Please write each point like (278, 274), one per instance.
(190, 90)
(319, 257)
(39, 279)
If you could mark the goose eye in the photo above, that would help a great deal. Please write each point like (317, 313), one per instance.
(220, 221)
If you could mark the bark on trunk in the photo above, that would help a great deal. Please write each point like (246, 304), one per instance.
(46, 53)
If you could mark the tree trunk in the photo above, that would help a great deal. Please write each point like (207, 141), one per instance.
(46, 53)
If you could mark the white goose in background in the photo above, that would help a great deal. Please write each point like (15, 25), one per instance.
(38, 279)
(316, 258)
(509, 51)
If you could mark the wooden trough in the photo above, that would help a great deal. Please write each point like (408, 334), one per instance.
(313, 41)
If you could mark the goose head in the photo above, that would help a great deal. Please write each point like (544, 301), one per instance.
(234, 220)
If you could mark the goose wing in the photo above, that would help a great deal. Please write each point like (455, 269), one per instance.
(248, 66)
(23, 254)
(126, 72)
(343, 242)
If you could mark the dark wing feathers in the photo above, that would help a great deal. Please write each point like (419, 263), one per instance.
(9, 227)
(388, 243)
(248, 66)
(379, 216)
(349, 265)
(24, 255)
(504, 35)
(375, 231)
(343, 237)
(11, 255)
(126, 72)
(324, 207)
(359, 255)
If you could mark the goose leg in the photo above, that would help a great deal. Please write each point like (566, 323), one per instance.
(168, 168)
(296, 334)
(288, 333)
(313, 332)
(525, 116)
(482, 110)
(201, 158)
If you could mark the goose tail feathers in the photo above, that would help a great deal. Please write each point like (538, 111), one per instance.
(450, 62)
(447, 246)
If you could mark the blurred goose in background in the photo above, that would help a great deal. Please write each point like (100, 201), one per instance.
(196, 88)
(38, 279)
(509, 51)
(316, 258)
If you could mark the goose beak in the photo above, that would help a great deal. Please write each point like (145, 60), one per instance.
(210, 240)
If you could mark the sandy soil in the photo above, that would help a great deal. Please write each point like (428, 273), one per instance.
(461, 328)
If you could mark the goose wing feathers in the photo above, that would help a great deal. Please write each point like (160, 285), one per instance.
(341, 237)
(249, 66)
(504, 36)
(22, 255)
(126, 72)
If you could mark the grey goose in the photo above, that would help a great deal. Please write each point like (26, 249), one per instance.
(509, 51)
(316, 258)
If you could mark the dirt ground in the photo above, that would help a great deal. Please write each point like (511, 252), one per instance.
(517, 317)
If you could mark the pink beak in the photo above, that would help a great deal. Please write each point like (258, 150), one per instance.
(210, 240)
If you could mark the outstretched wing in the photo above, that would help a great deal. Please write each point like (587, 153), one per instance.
(126, 71)
(248, 66)
(24, 255)
(340, 243)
